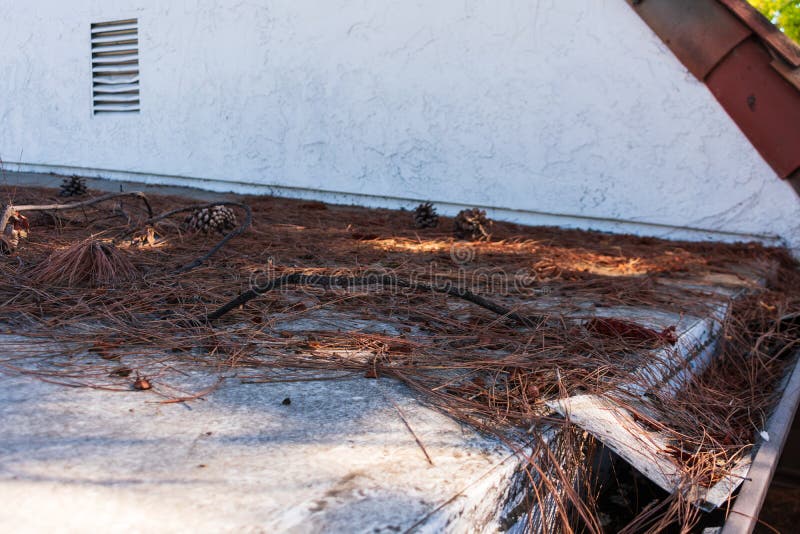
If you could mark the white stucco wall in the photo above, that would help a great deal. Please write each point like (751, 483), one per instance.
(566, 112)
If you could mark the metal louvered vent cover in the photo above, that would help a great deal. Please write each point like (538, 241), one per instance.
(115, 66)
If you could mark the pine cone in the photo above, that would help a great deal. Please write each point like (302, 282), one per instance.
(74, 186)
(215, 218)
(425, 216)
(472, 224)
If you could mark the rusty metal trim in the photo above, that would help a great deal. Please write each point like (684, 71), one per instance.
(776, 39)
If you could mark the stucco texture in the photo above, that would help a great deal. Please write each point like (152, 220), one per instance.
(573, 109)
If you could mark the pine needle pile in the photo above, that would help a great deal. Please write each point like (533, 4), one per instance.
(474, 362)
(90, 262)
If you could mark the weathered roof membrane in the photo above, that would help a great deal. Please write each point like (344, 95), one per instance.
(632, 325)
(611, 417)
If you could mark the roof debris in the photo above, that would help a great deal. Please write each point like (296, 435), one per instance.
(671, 353)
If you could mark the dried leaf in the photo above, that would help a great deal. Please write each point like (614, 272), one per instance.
(141, 384)
(630, 331)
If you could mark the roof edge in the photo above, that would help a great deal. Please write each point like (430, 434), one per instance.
(766, 30)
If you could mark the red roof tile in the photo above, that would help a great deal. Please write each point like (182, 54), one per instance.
(699, 32)
(750, 66)
(776, 39)
(764, 105)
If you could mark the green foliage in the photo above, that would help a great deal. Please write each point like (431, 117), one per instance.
(784, 13)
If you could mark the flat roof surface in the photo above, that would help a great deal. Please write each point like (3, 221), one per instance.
(383, 377)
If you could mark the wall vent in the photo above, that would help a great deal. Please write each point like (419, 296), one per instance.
(115, 66)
